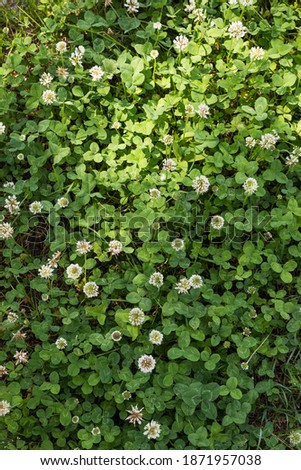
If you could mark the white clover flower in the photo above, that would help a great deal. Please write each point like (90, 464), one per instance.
(135, 416)
(62, 202)
(4, 407)
(132, 6)
(178, 244)
(196, 281)
(115, 247)
(183, 286)
(62, 72)
(190, 6)
(9, 185)
(154, 193)
(36, 207)
(6, 231)
(22, 137)
(49, 96)
(83, 247)
(61, 46)
(12, 317)
(61, 343)
(146, 363)
(250, 185)
(3, 371)
(12, 205)
(116, 125)
(200, 184)
(96, 73)
(200, 16)
(217, 222)
(155, 337)
(251, 290)
(116, 335)
(156, 279)
(74, 271)
(126, 395)
(2, 128)
(189, 109)
(167, 139)
(157, 25)
(256, 53)
(244, 366)
(246, 3)
(75, 419)
(180, 43)
(136, 316)
(91, 289)
(268, 141)
(19, 335)
(45, 271)
(169, 164)
(152, 430)
(77, 56)
(203, 111)
(21, 357)
(95, 431)
(237, 29)
(46, 79)
(293, 158)
(54, 260)
(20, 156)
(250, 142)
(295, 438)
(154, 53)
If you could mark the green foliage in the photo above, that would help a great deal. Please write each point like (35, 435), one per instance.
(150, 208)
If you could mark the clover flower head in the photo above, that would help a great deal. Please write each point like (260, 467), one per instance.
(6, 231)
(183, 286)
(178, 244)
(250, 186)
(268, 141)
(83, 247)
(189, 109)
(203, 110)
(95, 431)
(61, 343)
(135, 415)
(180, 43)
(190, 6)
(4, 407)
(217, 222)
(46, 79)
(116, 335)
(21, 357)
(74, 271)
(2, 128)
(196, 281)
(169, 164)
(61, 46)
(12, 205)
(157, 25)
(91, 289)
(295, 438)
(167, 139)
(250, 142)
(3, 371)
(156, 279)
(62, 202)
(155, 337)
(237, 29)
(256, 53)
(154, 193)
(200, 184)
(146, 363)
(12, 317)
(49, 96)
(132, 6)
(115, 247)
(154, 54)
(62, 72)
(45, 271)
(96, 73)
(152, 430)
(36, 207)
(200, 15)
(136, 316)
(126, 395)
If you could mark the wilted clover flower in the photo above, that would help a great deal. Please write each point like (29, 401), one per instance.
(46, 79)
(3, 371)
(21, 357)
(152, 430)
(135, 416)
(61, 46)
(115, 247)
(256, 53)
(136, 316)
(196, 281)
(53, 261)
(169, 164)
(12, 205)
(178, 244)
(74, 271)
(183, 286)
(199, 15)
(156, 279)
(62, 72)
(155, 337)
(49, 96)
(2, 128)
(83, 247)
(96, 73)
(19, 336)
(36, 207)
(91, 289)
(250, 142)
(4, 407)
(45, 271)
(268, 141)
(146, 363)
(132, 6)
(116, 335)
(180, 43)
(217, 222)
(61, 343)
(62, 202)
(295, 438)
(237, 29)
(167, 139)
(250, 185)
(201, 184)
(154, 193)
(6, 231)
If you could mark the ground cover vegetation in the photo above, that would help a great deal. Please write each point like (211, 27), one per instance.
(150, 213)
